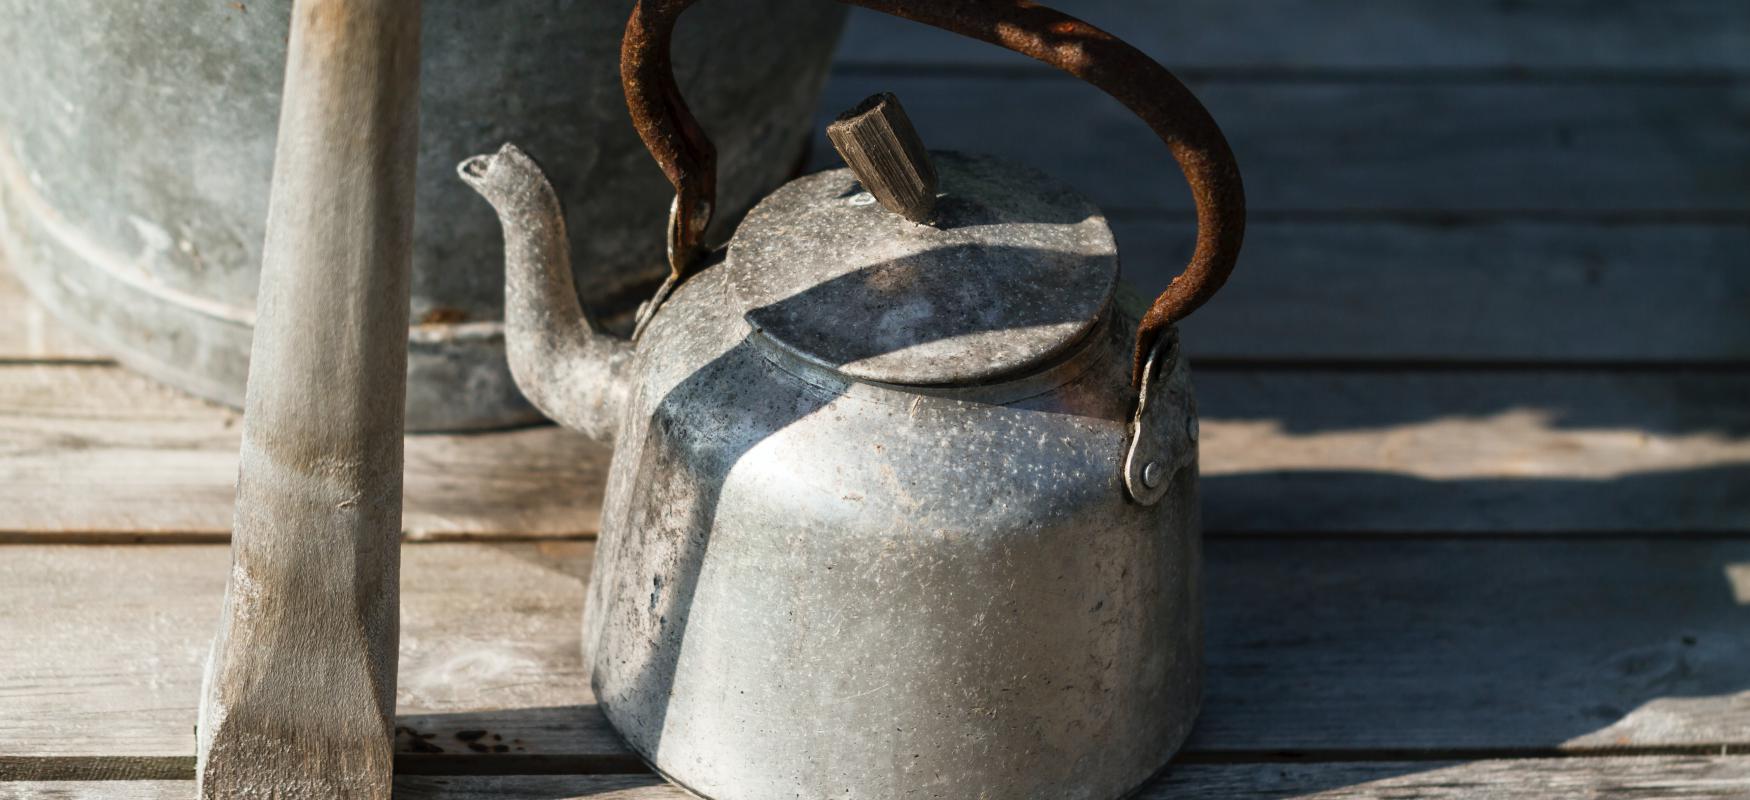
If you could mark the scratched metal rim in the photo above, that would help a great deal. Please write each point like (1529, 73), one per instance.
(1016, 269)
(1090, 352)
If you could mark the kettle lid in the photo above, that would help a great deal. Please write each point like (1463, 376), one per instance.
(1013, 271)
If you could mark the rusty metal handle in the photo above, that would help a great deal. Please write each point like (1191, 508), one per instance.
(1144, 86)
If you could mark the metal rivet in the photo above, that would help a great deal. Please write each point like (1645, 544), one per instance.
(1191, 428)
(1151, 474)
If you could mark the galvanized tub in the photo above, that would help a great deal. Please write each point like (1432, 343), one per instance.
(136, 146)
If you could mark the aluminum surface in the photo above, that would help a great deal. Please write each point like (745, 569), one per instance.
(810, 586)
(1015, 269)
(136, 141)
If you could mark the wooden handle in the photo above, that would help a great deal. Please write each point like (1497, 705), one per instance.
(300, 694)
(879, 144)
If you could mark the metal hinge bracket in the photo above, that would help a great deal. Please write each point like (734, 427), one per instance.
(1163, 434)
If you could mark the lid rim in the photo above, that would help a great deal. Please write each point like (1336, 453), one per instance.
(1018, 270)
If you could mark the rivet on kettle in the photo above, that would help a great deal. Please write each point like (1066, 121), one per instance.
(1151, 472)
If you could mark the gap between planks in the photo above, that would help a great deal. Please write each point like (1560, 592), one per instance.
(1318, 650)
(1664, 777)
(1610, 37)
(1668, 777)
(1533, 779)
(1348, 76)
(96, 453)
(1359, 147)
(106, 538)
(182, 768)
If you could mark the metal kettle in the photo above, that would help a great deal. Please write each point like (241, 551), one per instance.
(896, 509)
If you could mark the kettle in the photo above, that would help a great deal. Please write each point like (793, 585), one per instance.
(896, 508)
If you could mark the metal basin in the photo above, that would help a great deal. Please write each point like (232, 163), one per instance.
(136, 146)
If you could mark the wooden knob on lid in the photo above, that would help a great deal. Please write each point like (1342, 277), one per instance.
(877, 140)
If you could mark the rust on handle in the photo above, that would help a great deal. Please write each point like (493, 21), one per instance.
(1148, 89)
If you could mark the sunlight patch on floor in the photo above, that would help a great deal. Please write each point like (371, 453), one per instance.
(1517, 443)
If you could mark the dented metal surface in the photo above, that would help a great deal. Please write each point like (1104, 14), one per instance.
(814, 586)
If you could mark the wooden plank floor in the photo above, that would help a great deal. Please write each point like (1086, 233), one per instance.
(1476, 432)
(1413, 646)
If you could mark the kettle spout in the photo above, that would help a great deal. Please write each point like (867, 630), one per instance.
(563, 363)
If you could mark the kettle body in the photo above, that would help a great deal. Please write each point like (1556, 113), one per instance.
(903, 502)
(808, 586)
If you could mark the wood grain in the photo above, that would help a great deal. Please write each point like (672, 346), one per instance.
(879, 144)
(407, 787)
(299, 697)
(1423, 649)
(1516, 779)
(96, 453)
(1396, 450)
(1357, 148)
(108, 644)
(1434, 649)
(1679, 37)
(1509, 779)
(1487, 292)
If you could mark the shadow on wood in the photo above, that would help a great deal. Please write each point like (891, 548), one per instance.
(1654, 504)
(1421, 651)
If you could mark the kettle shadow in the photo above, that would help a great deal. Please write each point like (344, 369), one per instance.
(529, 786)
(1316, 399)
(1668, 502)
(1372, 661)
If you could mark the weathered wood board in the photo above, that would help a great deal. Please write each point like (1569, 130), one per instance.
(1447, 646)
(106, 646)
(1424, 648)
(1517, 292)
(1394, 450)
(1359, 149)
(1711, 777)
(407, 787)
(96, 453)
(1664, 37)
